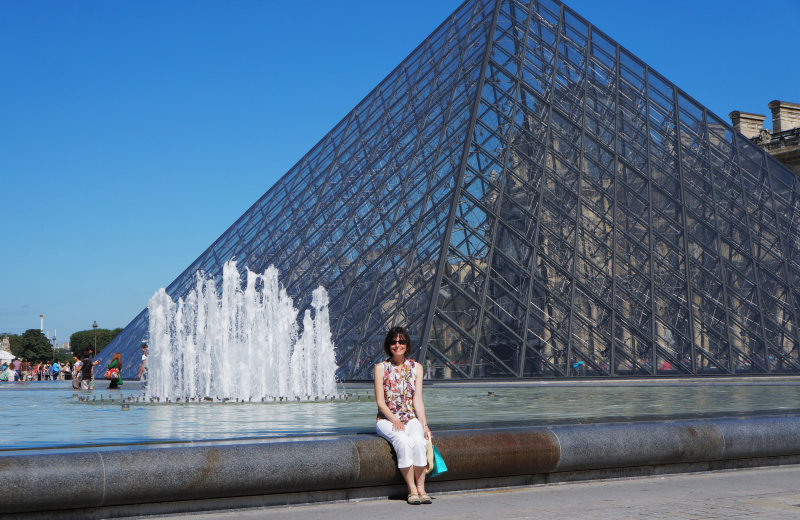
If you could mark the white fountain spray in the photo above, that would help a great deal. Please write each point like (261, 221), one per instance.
(242, 344)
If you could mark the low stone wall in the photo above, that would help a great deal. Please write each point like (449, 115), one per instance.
(138, 480)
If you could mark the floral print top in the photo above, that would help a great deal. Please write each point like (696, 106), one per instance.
(399, 384)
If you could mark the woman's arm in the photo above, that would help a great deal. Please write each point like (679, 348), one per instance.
(419, 406)
(380, 399)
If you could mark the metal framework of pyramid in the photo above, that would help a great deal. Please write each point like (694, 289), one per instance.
(531, 200)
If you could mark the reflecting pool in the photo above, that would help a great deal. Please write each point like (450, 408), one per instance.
(49, 414)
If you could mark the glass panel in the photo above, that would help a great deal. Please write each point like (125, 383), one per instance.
(562, 211)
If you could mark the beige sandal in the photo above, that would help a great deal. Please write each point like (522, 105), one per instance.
(425, 499)
(413, 500)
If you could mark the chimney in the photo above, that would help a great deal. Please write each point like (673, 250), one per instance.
(785, 115)
(747, 124)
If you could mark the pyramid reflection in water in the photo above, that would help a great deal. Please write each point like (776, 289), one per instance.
(532, 200)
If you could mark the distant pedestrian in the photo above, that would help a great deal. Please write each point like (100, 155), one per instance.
(115, 365)
(76, 373)
(87, 370)
(143, 368)
(8, 373)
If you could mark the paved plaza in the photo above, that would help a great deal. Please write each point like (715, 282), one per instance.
(764, 493)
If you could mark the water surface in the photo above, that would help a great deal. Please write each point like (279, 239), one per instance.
(49, 413)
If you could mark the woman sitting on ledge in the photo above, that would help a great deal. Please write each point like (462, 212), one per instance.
(401, 413)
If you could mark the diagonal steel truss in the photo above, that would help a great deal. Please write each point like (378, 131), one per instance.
(532, 200)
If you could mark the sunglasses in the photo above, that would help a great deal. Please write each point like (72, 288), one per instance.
(400, 341)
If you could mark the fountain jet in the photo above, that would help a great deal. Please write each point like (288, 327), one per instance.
(241, 344)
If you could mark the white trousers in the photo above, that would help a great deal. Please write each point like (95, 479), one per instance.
(409, 445)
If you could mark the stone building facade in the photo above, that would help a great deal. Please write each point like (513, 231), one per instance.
(783, 142)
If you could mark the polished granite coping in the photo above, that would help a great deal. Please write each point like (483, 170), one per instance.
(214, 475)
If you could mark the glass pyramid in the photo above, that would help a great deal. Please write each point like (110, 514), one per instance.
(532, 200)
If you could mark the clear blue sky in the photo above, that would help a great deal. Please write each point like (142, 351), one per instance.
(133, 133)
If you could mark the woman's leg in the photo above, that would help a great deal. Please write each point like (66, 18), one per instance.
(401, 443)
(419, 475)
(419, 457)
(408, 476)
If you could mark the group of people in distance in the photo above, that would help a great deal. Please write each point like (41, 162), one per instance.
(83, 375)
(81, 370)
(24, 370)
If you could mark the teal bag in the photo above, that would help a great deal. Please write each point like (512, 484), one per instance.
(439, 466)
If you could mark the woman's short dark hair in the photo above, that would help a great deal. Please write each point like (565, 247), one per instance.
(393, 332)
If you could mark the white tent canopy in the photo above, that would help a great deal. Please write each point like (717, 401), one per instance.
(6, 355)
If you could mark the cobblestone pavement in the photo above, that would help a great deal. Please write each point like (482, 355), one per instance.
(763, 493)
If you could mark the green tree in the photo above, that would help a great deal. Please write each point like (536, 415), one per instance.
(80, 341)
(34, 346)
(62, 355)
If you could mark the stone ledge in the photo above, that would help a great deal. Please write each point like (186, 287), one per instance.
(117, 482)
